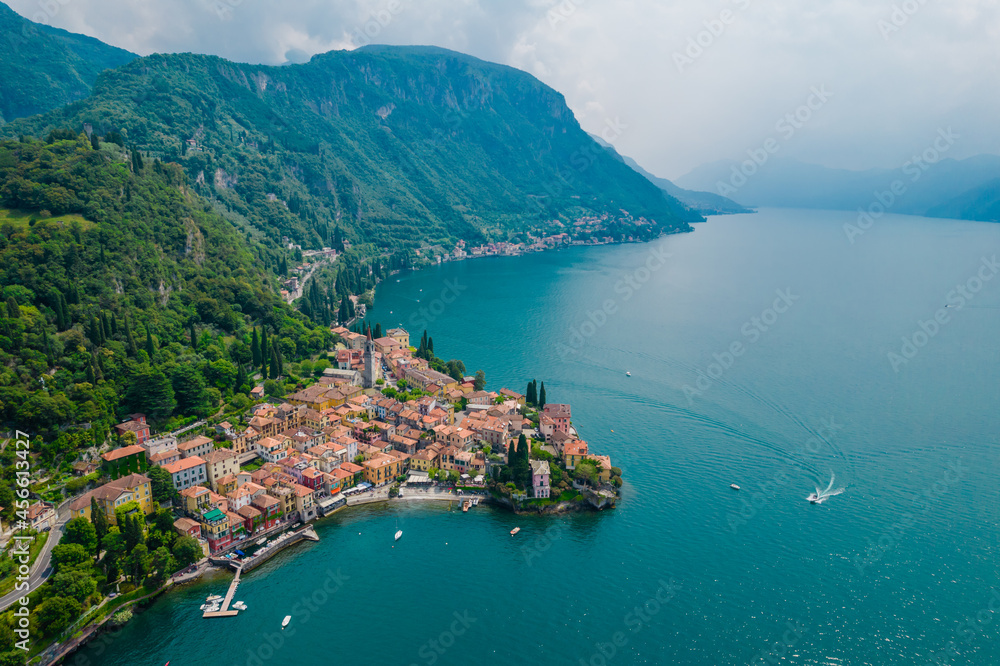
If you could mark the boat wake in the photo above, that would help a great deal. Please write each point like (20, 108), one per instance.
(821, 496)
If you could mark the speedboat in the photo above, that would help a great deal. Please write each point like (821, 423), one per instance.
(628, 374)
(734, 486)
(399, 533)
(213, 597)
(239, 605)
(515, 531)
(284, 623)
(815, 498)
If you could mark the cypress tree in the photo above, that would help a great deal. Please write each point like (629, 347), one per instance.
(241, 376)
(342, 313)
(94, 332)
(114, 325)
(95, 143)
(541, 397)
(275, 369)
(60, 314)
(255, 349)
(194, 337)
(530, 396)
(100, 522)
(91, 375)
(67, 319)
(378, 331)
(105, 327)
(13, 311)
(150, 349)
(263, 349)
(430, 347)
(130, 339)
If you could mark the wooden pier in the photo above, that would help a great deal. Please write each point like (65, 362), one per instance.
(224, 609)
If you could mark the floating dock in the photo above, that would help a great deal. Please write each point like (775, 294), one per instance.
(224, 609)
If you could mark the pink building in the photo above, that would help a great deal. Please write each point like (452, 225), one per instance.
(540, 478)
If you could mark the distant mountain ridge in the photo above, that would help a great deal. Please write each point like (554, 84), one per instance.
(42, 67)
(705, 203)
(967, 189)
(397, 145)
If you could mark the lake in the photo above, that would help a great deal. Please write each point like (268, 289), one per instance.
(765, 350)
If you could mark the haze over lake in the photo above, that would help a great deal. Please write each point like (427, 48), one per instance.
(899, 568)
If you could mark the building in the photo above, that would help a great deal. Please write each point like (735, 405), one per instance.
(215, 528)
(41, 516)
(198, 446)
(188, 527)
(115, 494)
(164, 457)
(187, 472)
(220, 463)
(371, 362)
(154, 446)
(401, 335)
(574, 452)
(540, 479)
(124, 461)
(270, 510)
(560, 415)
(196, 500)
(135, 424)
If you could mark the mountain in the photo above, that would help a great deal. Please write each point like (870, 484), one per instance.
(399, 146)
(123, 292)
(42, 68)
(962, 189)
(705, 203)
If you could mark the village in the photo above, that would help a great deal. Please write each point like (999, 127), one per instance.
(348, 437)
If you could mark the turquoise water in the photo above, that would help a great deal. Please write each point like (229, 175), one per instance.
(899, 569)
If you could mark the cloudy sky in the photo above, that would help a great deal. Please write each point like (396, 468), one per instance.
(688, 82)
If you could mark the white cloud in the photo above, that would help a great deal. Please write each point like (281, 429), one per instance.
(895, 82)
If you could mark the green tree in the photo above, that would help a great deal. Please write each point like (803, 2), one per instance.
(187, 551)
(479, 383)
(69, 555)
(162, 563)
(190, 391)
(56, 613)
(13, 311)
(531, 395)
(100, 521)
(114, 551)
(75, 583)
(137, 563)
(150, 393)
(134, 534)
(541, 397)
(80, 531)
(162, 486)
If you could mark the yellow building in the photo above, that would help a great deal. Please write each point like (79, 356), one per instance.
(132, 488)
(382, 469)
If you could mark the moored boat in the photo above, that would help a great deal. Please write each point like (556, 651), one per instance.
(284, 623)
(734, 486)
(515, 531)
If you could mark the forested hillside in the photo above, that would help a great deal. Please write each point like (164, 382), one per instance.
(123, 291)
(398, 146)
(42, 67)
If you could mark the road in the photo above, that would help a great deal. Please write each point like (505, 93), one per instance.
(42, 569)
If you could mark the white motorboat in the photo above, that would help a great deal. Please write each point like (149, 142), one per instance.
(213, 597)
(734, 486)
(284, 623)
(239, 605)
(399, 533)
(628, 374)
